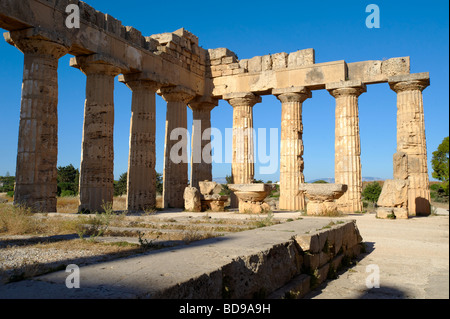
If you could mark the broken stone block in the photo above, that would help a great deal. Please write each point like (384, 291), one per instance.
(192, 201)
(220, 53)
(253, 208)
(266, 63)
(400, 213)
(394, 193)
(308, 243)
(301, 58)
(400, 160)
(243, 64)
(322, 197)
(395, 66)
(254, 64)
(279, 61)
(385, 212)
(207, 187)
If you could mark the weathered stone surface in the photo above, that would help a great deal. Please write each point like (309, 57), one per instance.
(97, 157)
(400, 165)
(291, 147)
(411, 138)
(279, 61)
(201, 161)
(207, 187)
(255, 64)
(36, 184)
(309, 242)
(192, 202)
(323, 192)
(378, 71)
(243, 166)
(385, 212)
(395, 66)
(175, 164)
(141, 183)
(253, 187)
(322, 197)
(214, 205)
(220, 53)
(347, 143)
(394, 193)
(251, 197)
(301, 58)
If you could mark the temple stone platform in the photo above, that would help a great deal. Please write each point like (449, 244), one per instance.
(268, 262)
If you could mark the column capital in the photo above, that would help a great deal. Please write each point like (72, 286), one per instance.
(242, 99)
(38, 41)
(97, 64)
(176, 94)
(203, 103)
(136, 82)
(292, 94)
(346, 88)
(409, 82)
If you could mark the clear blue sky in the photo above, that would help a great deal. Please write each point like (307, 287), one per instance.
(335, 29)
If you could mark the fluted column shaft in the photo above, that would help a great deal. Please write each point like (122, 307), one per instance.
(141, 178)
(347, 169)
(291, 150)
(243, 163)
(37, 154)
(97, 150)
(201, 161)
(175, 173)
(411, 140)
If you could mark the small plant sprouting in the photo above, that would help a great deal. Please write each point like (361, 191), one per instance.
(391, 216)
(146, 244)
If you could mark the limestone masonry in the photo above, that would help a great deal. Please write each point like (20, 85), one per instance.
(174, 66)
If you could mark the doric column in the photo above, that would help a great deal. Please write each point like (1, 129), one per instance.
(175, 174)
(97, 150)
(347, 167)
(141, 183)
(411, 138)
(291, 146)
(243, 164)
(201, 161)
(37, 154)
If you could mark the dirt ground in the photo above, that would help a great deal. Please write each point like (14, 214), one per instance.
(411, 258)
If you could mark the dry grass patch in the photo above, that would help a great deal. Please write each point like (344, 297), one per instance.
(48, 257)
(68, 204)
(19, 220)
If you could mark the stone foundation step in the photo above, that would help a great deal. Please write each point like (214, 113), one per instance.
(135, 231)
(248, 264)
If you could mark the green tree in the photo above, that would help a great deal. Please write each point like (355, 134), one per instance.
(440, 162)
(229, 179)
(320, 181)
(67, 174)
(372, 192)
(120, 187)
(159, 183)
(68, 178)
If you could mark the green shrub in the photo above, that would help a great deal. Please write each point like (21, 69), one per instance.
(67, 193)
(372, 192)
(10, 194)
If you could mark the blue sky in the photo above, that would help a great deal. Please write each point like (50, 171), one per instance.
(336, 30)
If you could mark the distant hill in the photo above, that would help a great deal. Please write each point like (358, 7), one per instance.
(331, 180)
(220, 180)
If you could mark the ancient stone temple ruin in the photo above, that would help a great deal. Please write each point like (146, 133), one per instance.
(174, 66)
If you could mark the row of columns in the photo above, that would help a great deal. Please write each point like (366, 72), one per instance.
(36, 172)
